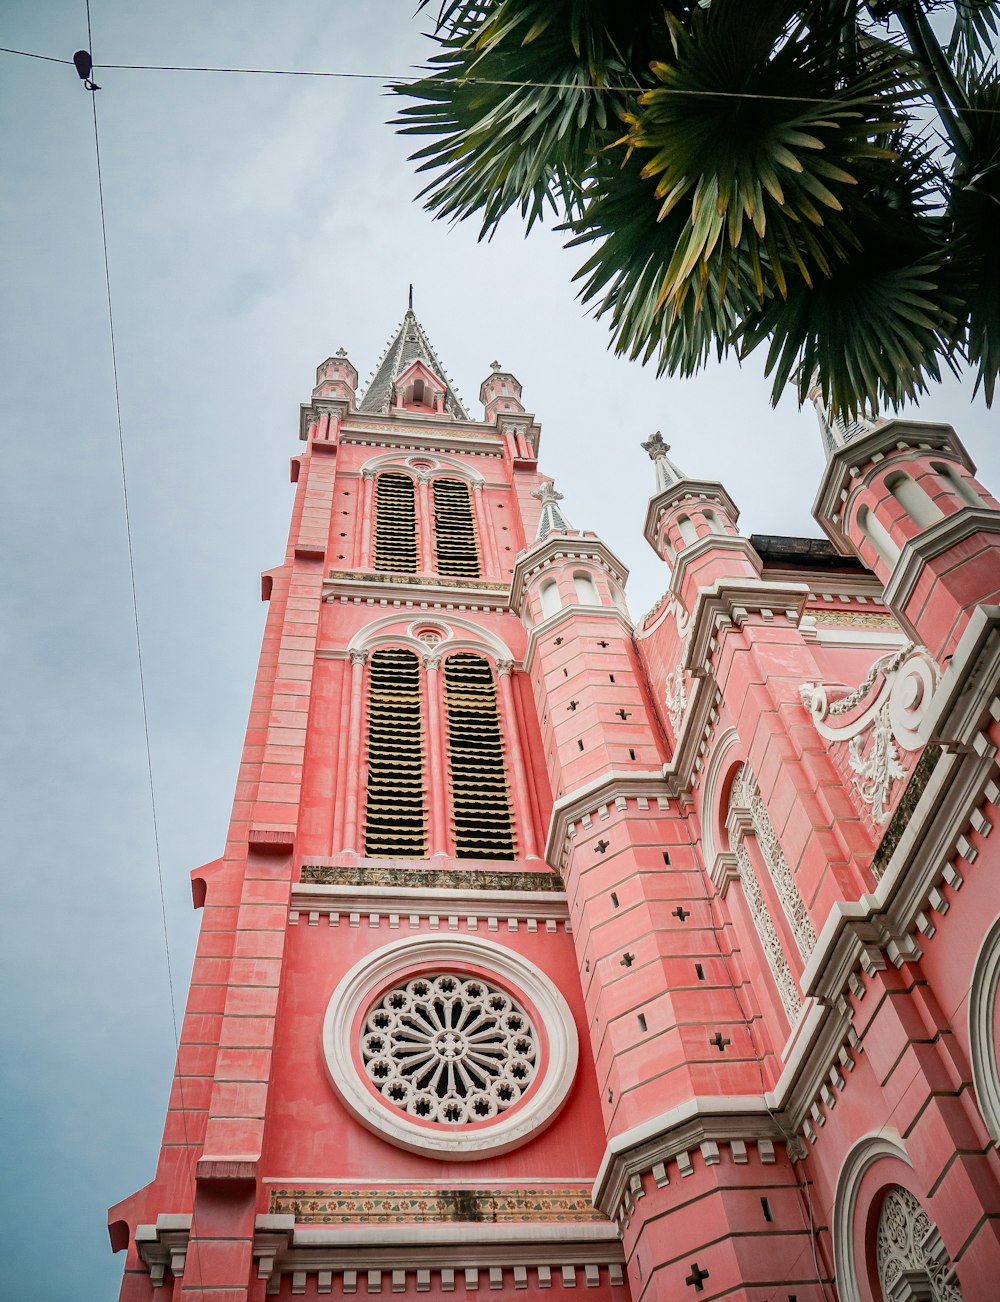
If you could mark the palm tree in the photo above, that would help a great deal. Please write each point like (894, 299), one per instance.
(821, 175)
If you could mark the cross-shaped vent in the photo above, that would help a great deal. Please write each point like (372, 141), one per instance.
(697, 1278)
(720, 1041)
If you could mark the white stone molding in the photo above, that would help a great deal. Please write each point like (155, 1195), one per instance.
(746, 795)
(872, 1148)
(730, 602)
(440, 908)
(164, 1244)
(358, 656)
(444, 467)
(424, 636)
(408, 591)
(564, 548)
(723, 755)
(450, 952)
(910, 1256)
(889, 719)
(446, 1258)
(982, 1038)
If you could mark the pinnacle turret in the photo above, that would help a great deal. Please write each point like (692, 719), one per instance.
(552, 519)
(667, 473)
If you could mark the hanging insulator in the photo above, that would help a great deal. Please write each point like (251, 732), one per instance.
(84, 65)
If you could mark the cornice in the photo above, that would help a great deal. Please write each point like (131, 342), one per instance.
(425, 433)
(562, 546)
(691, 745)
(845, 464)
(310, 898)
(706, 490)
(385, 588)
(731, 601)
(930, 543)
(603, 791)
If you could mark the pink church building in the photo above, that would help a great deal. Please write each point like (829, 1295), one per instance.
(551, 951)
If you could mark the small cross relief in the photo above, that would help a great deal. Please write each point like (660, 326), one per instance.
(681, 913)
(720, 1041)
(602, 846)
(557, 641)
(602, 643)
(572, 705)
(623, 714)
(697, 1278)
(627, 959)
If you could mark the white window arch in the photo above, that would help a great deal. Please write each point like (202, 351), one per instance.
(549, 596)
(912, 498)
(689, 534)
(959, 486)
(876, 533)
(586, 589)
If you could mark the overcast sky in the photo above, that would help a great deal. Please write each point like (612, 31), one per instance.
(255, 225)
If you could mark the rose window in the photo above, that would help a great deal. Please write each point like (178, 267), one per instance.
(449, 1048)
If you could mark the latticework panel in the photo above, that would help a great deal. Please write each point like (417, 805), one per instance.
(395, 813)
(455, 530)
(395, 524)
(481, 813)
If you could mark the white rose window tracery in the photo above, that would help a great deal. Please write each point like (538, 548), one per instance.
(449, 1048)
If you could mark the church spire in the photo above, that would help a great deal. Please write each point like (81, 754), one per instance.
(408, 344)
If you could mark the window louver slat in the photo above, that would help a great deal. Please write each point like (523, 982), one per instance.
(480, 801)
(455, 530)
(395, 813)
(395, 524)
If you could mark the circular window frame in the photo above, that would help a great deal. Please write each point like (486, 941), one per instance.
(554, 1025)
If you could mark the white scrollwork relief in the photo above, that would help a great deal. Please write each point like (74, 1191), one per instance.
(675, 696)
(888, 721)
(909, 1251)
(746, 795)
(784, 979)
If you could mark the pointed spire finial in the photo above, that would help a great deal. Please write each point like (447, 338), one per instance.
(409, 307)
(494, 366)
(666, 472)
(551, 519)
(341, 352)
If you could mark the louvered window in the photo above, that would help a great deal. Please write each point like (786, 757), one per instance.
(481, 815)
(395, 524)
(394, 817)
(455, 530)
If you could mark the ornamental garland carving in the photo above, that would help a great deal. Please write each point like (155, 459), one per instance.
(784, 979)
(675, 696)
(746, 795)
(892, 700)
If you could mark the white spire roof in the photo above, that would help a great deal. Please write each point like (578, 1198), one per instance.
(409, 343)
(552, 519)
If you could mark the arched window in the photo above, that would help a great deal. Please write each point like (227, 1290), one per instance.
(908, 1243)
(959, 486)
(876, 533)
(912, 498)
(395, 524)
(550, 599)
(455, 530)
(395, 814)
(586, 589)
(713, 521)
(689, 533)
(481, 813)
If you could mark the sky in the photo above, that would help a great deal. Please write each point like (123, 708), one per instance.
(255, 224)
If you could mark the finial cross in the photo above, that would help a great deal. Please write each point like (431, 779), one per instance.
(655, 446)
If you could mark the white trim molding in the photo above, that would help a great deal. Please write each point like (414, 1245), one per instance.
(872, 1148)
(982, 1019)
(425, 953)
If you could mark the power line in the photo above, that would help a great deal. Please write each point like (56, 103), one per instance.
(394, 79)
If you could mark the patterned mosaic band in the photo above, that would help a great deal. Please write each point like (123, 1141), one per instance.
(405, 1206)
(852, 619)
(486, 879)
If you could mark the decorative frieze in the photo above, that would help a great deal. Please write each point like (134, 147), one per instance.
(423, 1204)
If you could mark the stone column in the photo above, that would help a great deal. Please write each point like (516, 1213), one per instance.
(519, 773)
(365, 534)
(438, 766)
(427, 557)
(358, 661)
(489, 564)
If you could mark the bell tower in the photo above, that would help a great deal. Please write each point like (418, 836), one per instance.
(380, 1086)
